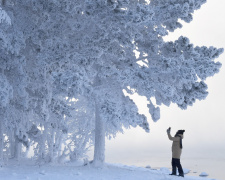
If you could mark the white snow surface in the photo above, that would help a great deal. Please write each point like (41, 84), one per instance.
(80, 172)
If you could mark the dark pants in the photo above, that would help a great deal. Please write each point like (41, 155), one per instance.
(176, 164)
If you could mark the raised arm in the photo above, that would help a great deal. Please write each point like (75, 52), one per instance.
(170, 137)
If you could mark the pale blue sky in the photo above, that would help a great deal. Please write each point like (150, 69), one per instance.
(204, 122)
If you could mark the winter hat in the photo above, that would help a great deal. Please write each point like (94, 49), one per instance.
(180, 132)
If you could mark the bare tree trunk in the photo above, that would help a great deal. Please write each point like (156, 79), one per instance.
(99, 149)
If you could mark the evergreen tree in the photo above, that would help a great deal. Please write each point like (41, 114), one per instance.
(57, 54)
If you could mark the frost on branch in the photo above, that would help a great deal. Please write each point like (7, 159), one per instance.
(154, 111)
(168, 12)
(4, 17)
(65, 66)
(6, 91)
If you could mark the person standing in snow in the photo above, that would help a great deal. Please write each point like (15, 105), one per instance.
(176, 151)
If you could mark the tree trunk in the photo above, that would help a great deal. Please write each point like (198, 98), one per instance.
(11, 143)
(51, 145)
(1, 140)
(17, 150)
(41, 142)
(99, 149)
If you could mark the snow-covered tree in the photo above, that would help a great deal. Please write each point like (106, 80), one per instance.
(171, 72)
(61, 54)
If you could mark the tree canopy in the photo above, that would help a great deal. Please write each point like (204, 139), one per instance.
(66, 65)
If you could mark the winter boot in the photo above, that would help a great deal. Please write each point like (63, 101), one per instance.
(173, 174)
(174, 167)
(180, 170)
(174, 171)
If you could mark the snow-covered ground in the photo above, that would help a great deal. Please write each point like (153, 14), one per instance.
(79, 172)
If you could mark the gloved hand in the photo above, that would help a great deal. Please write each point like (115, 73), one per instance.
(168, 130)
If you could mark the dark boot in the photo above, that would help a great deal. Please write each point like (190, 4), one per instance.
(180, 169)
(174, 168)
(173, 174)
(174, 171)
